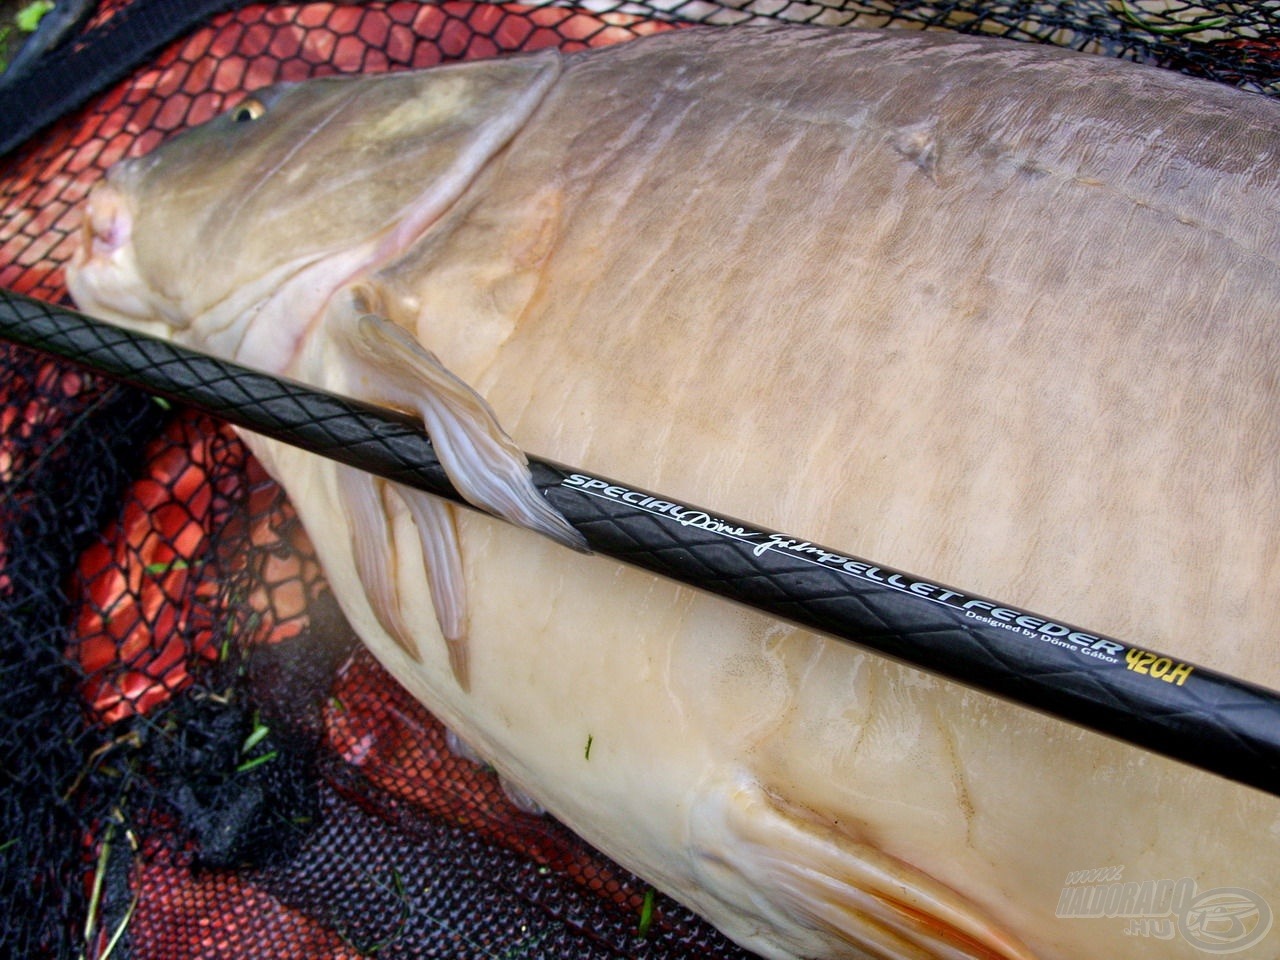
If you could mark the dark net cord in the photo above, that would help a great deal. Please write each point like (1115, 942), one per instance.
(1184, 711)
(47, 514)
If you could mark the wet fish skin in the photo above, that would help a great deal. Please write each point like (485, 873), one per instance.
(994, 312)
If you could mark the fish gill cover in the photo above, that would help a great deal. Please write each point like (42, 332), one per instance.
(198, 760)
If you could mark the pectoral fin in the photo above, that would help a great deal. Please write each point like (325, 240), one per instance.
(442, 557)
(487, 468)
(849, 891)
(365, 498)
(362, 498)
(389, 366)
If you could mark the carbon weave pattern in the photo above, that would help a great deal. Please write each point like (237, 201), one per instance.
(352, 432)
(1227, 726)
(1218, 723)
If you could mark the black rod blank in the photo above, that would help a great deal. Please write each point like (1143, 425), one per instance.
(1218, 723)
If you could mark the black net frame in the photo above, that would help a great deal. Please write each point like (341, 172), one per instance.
(147, 772)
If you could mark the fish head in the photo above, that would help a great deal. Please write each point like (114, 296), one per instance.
(261, 214)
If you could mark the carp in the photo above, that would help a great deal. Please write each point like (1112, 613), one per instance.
(998, 314)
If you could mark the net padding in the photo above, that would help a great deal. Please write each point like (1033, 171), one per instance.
(199, 760)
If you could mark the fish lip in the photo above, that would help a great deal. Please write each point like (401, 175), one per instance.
(102, 274)
(107, 224)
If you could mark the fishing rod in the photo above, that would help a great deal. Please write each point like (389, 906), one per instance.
(1227, 726)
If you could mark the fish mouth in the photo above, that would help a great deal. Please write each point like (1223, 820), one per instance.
(107, 224)
(102, 274)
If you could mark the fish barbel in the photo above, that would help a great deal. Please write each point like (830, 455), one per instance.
(996, 313)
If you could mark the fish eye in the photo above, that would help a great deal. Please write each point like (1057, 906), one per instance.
(248, 110)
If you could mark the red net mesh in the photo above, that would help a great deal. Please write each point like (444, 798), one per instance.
(241, 779)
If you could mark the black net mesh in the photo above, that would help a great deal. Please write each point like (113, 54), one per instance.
(198, 761)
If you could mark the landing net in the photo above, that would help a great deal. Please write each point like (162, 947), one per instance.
(198, 758)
